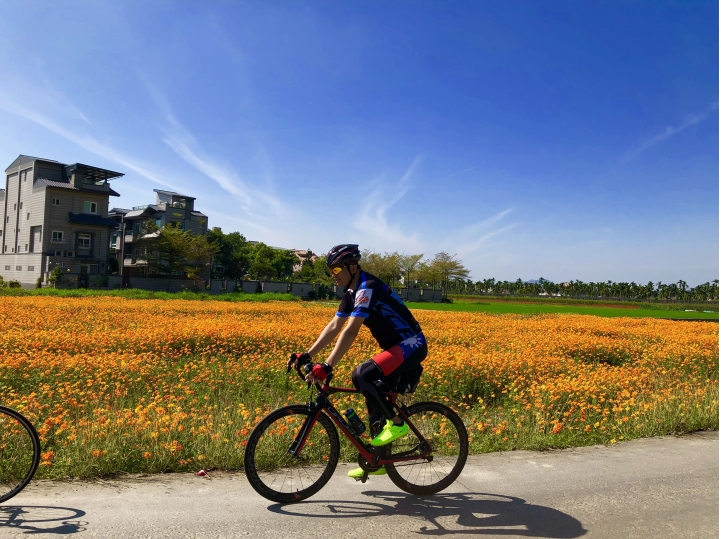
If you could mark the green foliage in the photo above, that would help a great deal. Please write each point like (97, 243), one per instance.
(170, 250)
(233, 253)
(135, 293)
(679, 291)
(55, 276)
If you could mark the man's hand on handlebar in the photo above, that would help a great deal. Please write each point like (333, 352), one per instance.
(297, 360)
(318, 372)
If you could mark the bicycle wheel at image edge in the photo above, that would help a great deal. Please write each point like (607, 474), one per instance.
(270, 468)
(445, 432)
(19, 452)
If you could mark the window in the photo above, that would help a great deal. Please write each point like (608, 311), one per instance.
(114, 242)
(15, 206)
(31, 268)
(18, 268)
(21, 205)
(7, 268)
(62, 264)
(83, 241)
(1, 233)
(57, 237)
(56, 202)
(26, 247)
(90, 207)
(28, 216)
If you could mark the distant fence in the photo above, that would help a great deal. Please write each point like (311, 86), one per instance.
(222, 286)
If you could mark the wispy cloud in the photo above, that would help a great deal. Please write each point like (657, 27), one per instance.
(84, 140)
(255, 202)
(469, 239)
(372, 217)
(689, 121)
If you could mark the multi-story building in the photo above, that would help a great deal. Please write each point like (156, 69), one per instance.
(54, 214)
(169, 207)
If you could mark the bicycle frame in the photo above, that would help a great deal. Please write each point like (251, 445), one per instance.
(366, 450)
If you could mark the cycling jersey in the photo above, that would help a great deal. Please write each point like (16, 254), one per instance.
(388, 319)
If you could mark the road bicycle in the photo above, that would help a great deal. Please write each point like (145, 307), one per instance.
(292, 453)
(19, 452)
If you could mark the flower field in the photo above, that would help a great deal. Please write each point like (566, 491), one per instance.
(116, 385)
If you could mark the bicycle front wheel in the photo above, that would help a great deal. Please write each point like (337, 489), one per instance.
(445, 435)
(19, 452)
(273, 472)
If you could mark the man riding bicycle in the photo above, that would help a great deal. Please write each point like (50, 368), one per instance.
(368, 301)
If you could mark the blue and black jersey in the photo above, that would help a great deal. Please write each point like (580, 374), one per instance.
(387, 317)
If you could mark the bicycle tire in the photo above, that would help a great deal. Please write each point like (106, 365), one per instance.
(19, 452)
(449, 450)
(270, 468)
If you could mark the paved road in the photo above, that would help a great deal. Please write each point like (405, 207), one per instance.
(653, 488)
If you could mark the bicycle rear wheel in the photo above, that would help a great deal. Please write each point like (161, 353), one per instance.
(273, 472)
(446, 436)
(19, 452)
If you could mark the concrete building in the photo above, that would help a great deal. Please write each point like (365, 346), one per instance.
(169, 207)
(55, 214)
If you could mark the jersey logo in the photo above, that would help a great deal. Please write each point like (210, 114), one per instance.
(363, 297)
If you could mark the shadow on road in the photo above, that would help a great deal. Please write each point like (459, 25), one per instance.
(466, 513)
(40, 519)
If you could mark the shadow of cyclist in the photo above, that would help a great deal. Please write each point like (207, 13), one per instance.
(42, 519)
(463, 513)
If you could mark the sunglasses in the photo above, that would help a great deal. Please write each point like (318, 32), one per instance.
(336, 270)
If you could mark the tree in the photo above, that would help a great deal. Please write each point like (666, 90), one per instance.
(233, 253)
(55, 275)
(172, 251)
(408, 264)
(198, 256)
(448, 268)
(261, 262)
(385, 266)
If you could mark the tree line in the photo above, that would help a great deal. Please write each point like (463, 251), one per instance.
(172, 251)
(680, 290)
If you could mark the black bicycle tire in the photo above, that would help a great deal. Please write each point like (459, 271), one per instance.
(30, 429)
(249, 459)
(423, 490)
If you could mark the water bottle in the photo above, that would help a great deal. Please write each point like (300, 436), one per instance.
(355, 421)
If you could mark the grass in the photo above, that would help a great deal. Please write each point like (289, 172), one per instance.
(135, 293)
(506, 307)
(555, 300)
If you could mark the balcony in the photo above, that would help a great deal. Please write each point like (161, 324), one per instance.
(128, 238)
(60, 241)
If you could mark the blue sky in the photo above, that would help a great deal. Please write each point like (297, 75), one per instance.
(569, 140)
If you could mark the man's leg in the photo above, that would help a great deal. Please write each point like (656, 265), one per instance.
(379, 409)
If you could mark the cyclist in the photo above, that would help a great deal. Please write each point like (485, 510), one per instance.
(368, 301)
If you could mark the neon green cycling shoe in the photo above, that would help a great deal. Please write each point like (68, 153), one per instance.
(389, 433)
(358, 473)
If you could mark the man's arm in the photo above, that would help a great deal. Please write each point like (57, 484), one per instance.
(342, 345)
(345, 340)
(327, 335)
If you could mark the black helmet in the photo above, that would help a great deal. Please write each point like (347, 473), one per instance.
(345, 252)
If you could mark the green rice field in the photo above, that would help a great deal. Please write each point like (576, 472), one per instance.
(507, 307)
